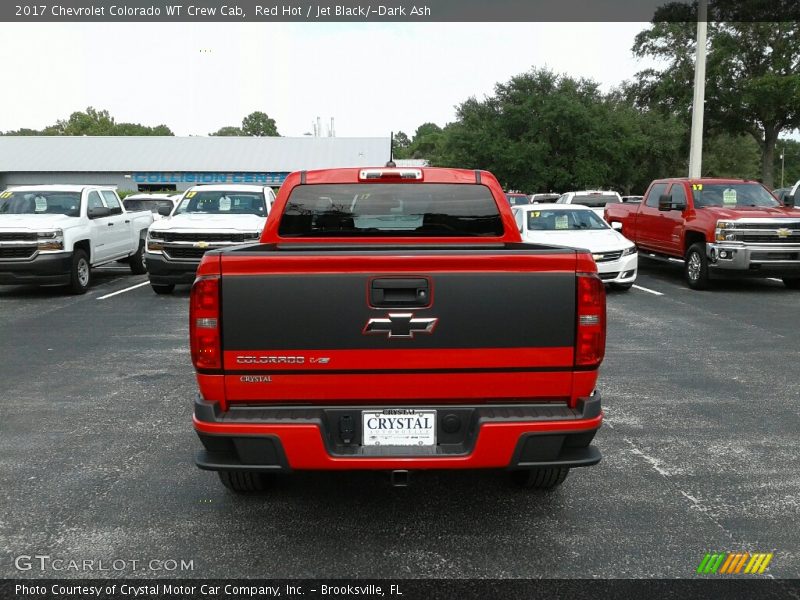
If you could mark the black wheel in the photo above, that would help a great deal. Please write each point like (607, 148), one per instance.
(540, 479)
(623, 287)
(793, 283)
(244, 482)
(80, 275)
(136, 261)
(696, 268)
(162, 288)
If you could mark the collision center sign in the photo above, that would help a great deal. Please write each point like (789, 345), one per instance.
(209, 177)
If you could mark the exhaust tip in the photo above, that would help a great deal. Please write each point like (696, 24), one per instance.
(399, 478)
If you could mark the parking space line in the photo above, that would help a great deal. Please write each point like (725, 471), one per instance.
(649, 291)
(128, 289)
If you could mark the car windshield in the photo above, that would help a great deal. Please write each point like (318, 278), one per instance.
(386, 209)
(151, 204)
(732, 195)
(223, 203)
(595, 200)
(40, 203)
(564, 220)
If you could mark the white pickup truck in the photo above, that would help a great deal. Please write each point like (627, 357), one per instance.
(207, 217)
(55, 234)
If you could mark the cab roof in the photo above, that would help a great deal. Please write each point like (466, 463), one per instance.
(59, 188)
(228, 187)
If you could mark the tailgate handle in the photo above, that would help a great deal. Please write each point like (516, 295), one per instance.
(397, 292)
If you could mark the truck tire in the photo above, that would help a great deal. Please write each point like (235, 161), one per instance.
(136, 260)
(696, 267)
(793, 283)
(162, 288)
(80, 274)
(244, 482)
(540, 479)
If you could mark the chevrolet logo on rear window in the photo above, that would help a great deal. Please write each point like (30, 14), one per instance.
(400, 325)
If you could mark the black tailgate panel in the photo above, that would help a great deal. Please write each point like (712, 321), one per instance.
(330, 311)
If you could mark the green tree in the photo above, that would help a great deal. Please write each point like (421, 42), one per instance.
(791, 162)
(401, 144)
(543, 132)
(752, 76)
(258, 124)
(227, 131)
(94, 122)
(727, 155)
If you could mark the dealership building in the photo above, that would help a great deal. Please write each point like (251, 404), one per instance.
(150, 163)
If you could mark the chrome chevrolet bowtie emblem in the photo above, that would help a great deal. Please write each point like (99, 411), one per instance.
(784, 232)
(400, 325)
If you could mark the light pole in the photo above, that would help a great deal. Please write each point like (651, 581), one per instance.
(696, 147)
(783, 153)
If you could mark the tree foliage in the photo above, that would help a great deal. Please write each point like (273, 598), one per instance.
(256, 124)
(542, 132)
(94, 122)
(752, 76)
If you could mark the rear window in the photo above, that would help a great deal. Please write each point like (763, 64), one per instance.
(596, 200)
(390, 209)
(147, 204)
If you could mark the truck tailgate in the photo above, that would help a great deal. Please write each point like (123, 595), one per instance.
(492, 325)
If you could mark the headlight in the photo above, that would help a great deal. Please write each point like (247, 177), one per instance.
(629, 251)
(50, 240)
(155, 241)
(719, 233)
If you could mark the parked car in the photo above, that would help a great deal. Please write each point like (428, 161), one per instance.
(717, 227)
(596, 200)
(55, 234)
(385, 321)
(544, 198)
(578, 226)
(632, 199)
(208, 216)
(161, 205)
(516, 198)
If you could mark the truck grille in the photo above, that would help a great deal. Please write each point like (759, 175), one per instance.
(185, 253)
(13, 236)
(607, 256)
(203, 237)
(768, 232)
(17, 252)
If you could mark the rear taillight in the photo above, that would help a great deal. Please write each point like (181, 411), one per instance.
(590, 343)
(204, 323)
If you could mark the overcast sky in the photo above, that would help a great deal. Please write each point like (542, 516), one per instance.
(372, 78)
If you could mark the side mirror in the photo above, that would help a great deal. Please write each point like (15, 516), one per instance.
(164, 211)
(616, 225)
(790, 200)
(665, 203)
(98, 212)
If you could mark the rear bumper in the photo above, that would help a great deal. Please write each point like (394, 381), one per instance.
(42, 269)
(307, 438)
(163, 271)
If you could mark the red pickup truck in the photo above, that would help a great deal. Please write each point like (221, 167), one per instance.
(391, 319)
(717, 227)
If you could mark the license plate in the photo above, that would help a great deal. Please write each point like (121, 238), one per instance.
(398, 427)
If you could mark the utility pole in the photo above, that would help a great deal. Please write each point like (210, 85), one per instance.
(698, 108)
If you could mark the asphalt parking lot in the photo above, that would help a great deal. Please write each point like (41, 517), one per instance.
(702, 398)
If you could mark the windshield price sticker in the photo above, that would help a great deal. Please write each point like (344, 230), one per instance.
(41, 204)
(399, 427)
(5, 195)
(562, 222)
(190, 194)
(729, 196)
(697, 187)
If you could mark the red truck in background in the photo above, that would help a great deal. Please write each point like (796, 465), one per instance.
(717, 227)
(391, 319)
